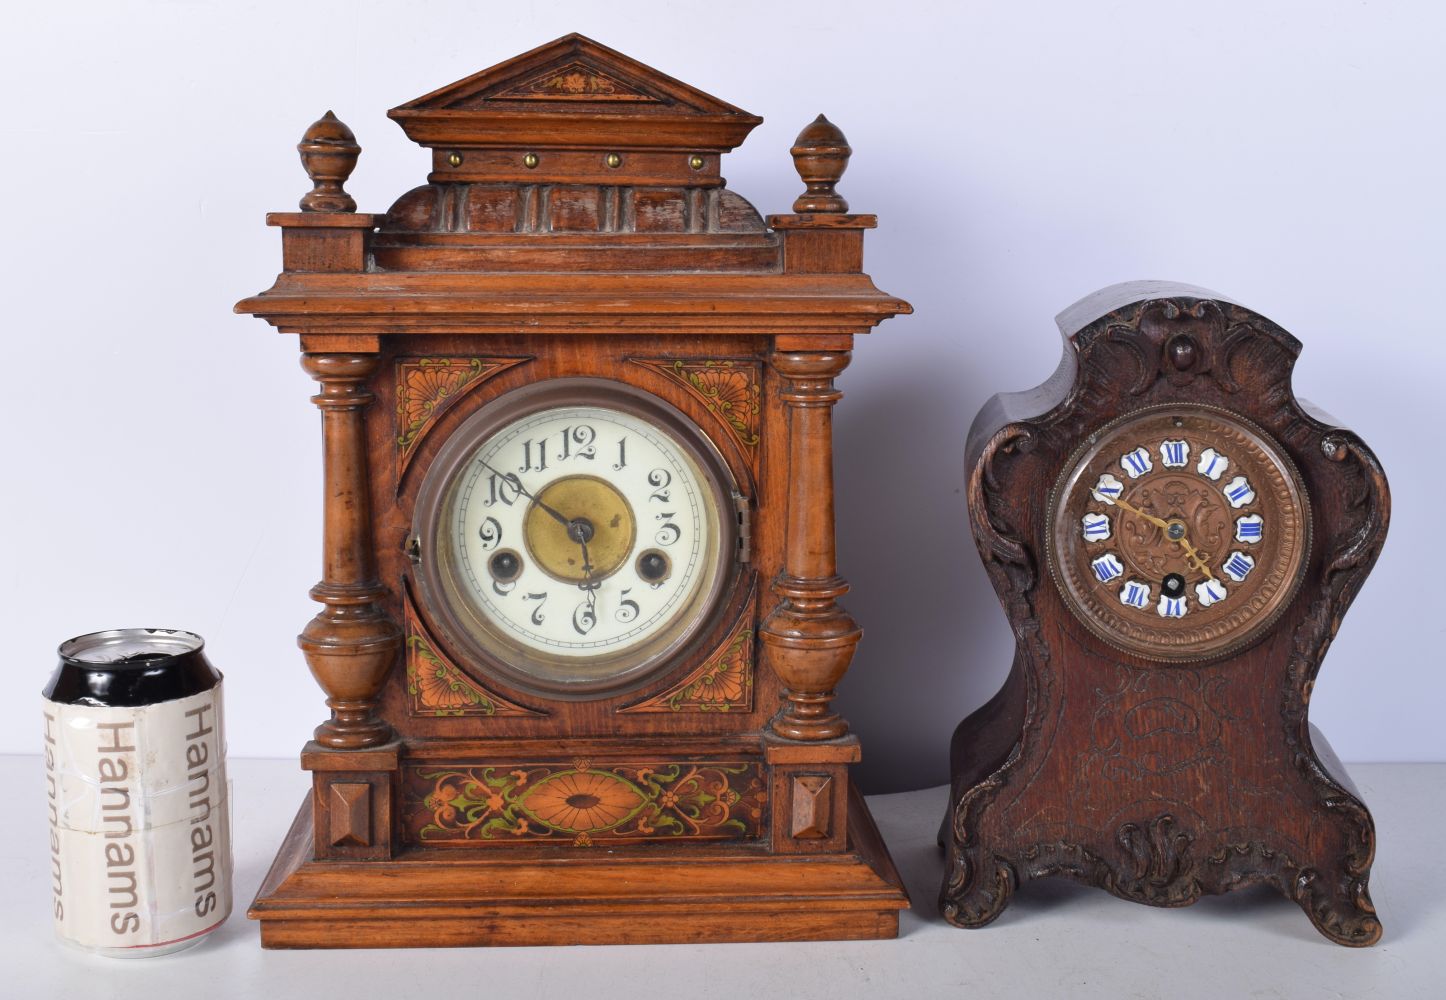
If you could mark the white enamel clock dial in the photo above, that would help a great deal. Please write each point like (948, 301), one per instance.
(575, 544)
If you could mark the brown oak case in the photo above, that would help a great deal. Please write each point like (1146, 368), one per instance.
(1161, 781)
(575, 223)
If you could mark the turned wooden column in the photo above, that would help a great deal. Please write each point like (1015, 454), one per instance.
(351, 644)
(809, 639)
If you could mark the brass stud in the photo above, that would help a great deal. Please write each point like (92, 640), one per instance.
(455, 159)
(696, 162)
(614, 160)
(530, 161)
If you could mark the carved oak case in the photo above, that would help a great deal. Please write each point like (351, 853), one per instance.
(1175, 539)
(579, 631)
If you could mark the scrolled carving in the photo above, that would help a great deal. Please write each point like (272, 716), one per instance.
(1158, 782)
(978, 885)
(1160, 853)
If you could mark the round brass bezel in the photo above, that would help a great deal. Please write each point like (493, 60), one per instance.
(1212, 634)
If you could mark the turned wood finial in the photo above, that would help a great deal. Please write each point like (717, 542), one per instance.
(329, 153)
(821, 155)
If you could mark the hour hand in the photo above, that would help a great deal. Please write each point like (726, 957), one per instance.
(1195, 558)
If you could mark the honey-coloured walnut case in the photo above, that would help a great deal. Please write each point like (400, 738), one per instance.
(1175, 538)
(574, 243)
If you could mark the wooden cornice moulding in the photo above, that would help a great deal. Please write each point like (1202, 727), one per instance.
(526, 748)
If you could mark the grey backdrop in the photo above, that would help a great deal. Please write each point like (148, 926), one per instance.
(162, 465)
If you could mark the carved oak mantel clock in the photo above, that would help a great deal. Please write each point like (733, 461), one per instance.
(1175, 539)
(579, 631)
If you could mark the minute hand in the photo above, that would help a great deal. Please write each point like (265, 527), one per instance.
(1193, 556)
(512, 478)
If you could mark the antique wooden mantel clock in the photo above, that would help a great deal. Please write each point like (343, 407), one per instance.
(579, 632)
(1175, 538)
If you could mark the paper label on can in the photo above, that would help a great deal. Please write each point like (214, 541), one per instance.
(140, 838)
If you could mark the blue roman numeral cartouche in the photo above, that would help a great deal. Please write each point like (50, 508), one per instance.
(1136, 463)
(1135, 594)
(1238, 566)
(1212, 464)
(1096, 527)
(1239, 491)
(1172, 607)
(1107, 567)
(1249, 529)
(1174, 453)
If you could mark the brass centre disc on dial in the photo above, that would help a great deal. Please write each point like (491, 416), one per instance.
(580, 499)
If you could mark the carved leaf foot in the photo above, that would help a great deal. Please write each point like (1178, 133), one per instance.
(974, 895)
(1339, 905)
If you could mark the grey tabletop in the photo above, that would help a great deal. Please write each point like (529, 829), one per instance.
(1055, 940)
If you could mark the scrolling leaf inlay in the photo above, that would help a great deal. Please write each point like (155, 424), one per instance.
(436, 688)
(428, 386)
(732, 390)
(722, 684)
(584, 804)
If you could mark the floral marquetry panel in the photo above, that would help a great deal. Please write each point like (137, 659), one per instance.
(724, 683)
(583, 803)
(732, 391)
(436, 688)
(426, 387)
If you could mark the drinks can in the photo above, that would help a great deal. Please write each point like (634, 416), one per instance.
(140, 838)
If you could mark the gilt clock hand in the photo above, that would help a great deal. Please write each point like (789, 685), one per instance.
(1192, 556)
(1156, 521)
(1195, 558)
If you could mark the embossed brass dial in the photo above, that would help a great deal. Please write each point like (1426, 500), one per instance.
(1171, 495)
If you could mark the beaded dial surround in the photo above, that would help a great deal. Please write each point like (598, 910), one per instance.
(1178, 533)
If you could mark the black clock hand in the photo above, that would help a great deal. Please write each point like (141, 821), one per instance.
(587, 583)
(512, 478)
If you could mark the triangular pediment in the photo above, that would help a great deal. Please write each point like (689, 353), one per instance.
(573, 81)
(573, 70)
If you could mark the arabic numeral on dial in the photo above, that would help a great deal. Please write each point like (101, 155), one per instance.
(502, 489)
(527, 456)
(669, 532)
(490, 533)
(578, 442)
(622, 462)
(503, 587)
(537, 616)
(628, 610)
(584, 617)
(660, 480)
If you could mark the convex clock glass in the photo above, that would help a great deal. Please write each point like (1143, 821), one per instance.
(573, 534)
(1178, 532)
